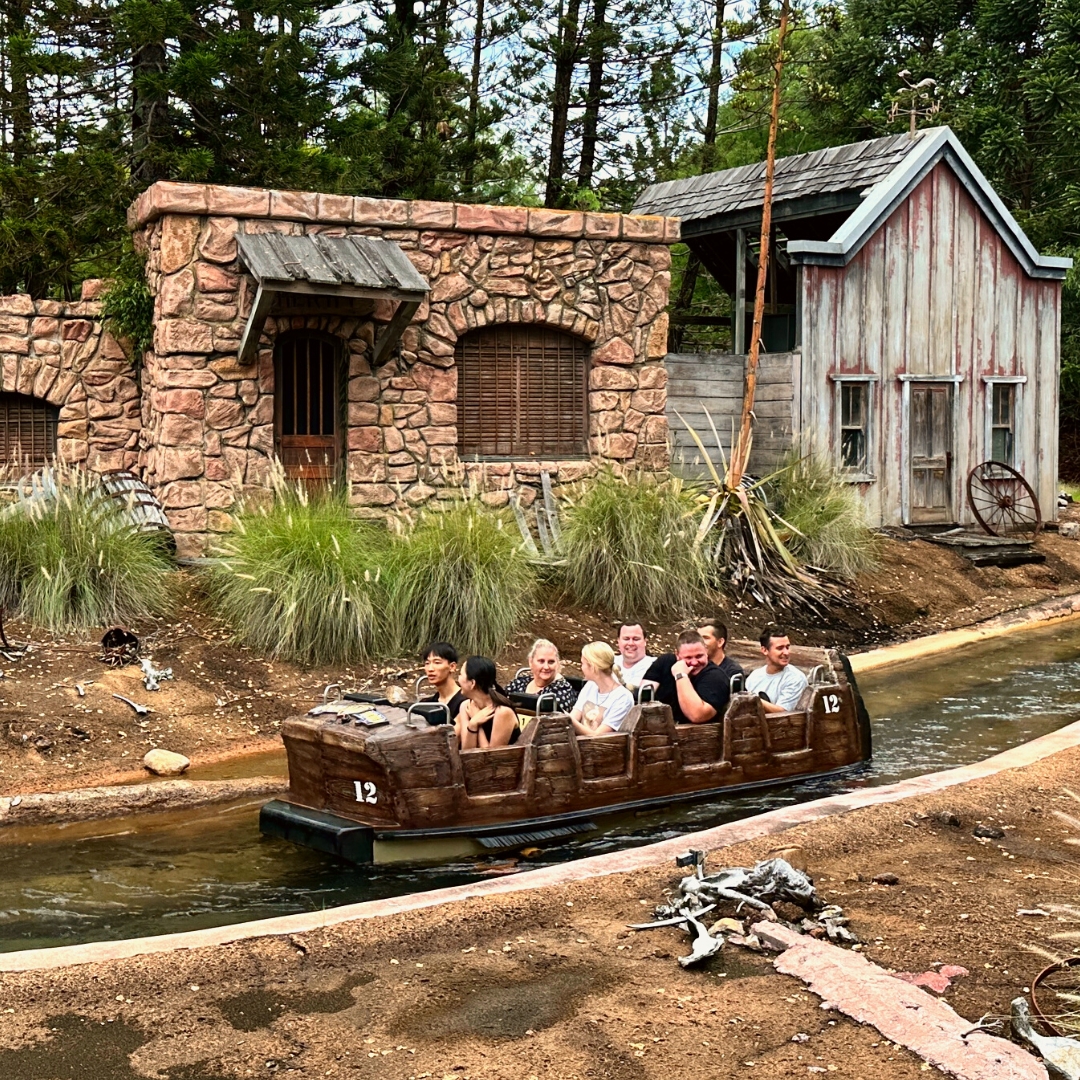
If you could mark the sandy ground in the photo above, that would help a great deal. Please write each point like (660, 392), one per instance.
(226, 700)
(550, 983)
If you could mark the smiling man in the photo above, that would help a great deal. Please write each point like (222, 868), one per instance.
(778, 682)
(696, 689)
(632, 661)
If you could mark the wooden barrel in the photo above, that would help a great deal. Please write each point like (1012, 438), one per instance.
(140, 504)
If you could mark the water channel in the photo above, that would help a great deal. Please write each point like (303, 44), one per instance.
(164, 873)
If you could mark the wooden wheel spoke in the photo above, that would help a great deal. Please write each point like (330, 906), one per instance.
(1002, 500)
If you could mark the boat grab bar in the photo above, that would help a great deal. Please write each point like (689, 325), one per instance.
(646, 692)
(429, 708)
(546, 703)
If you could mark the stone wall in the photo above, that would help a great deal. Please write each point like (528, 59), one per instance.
(208, 421)
(59, 352)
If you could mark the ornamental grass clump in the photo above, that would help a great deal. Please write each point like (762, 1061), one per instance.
(825, 514)
(630, 546)
(459, 575)
(301, 580)
(72, 561)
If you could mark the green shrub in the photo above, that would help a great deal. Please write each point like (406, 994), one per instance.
(73, 562)
(128, 306)
(629, 546)
(302, 580)
(828, 515)
(460, 575)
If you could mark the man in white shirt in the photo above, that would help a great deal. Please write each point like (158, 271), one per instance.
(632, 661)
(778, 678)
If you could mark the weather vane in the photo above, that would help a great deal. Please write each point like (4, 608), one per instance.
(915, 99)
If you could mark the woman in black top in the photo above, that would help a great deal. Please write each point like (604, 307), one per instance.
(544, 677)
(487, 719)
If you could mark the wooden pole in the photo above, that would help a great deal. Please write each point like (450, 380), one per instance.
(740, 452)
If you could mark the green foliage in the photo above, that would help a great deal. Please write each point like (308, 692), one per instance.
(460, 575)
(300, 579)
(128, 307)
(826, 516)
(630, 547)
(75, 563)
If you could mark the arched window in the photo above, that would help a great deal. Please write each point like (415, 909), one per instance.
(522, 392)
(27, 430)
(309, 405)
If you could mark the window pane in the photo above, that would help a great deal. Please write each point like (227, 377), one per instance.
(1003, 404)
(853, 448)
(853, 404)
(1001, 448)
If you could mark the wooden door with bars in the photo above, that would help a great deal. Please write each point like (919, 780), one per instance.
(522, 393)
(309, 406)
(931, 453)
(27, 431)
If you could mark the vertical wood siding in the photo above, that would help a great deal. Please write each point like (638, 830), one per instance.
(935, 291)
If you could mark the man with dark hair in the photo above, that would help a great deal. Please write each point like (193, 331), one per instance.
(441, 667)
(696, 689)
(778, 682)
(714, 634)
(632, 660)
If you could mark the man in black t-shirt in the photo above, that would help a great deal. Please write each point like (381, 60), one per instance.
(714, 634)
(696, 689)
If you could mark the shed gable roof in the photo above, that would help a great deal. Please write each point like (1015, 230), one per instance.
(882, 171)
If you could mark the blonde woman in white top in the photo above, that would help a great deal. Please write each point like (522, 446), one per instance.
(603, 703)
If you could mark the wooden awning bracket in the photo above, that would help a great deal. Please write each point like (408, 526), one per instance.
(391, 334)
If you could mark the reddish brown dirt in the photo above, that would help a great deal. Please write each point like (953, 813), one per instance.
(551, 983)
(226, 700)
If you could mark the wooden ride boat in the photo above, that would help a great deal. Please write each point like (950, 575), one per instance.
(403, 789)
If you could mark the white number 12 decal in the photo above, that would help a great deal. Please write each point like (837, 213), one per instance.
(366, 791)
(832, 704)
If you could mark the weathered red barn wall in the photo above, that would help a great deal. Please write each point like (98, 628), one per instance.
(934, 291)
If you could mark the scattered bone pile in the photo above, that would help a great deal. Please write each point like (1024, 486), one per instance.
(760, 888)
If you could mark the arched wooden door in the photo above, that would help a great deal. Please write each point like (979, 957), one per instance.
(309, 406)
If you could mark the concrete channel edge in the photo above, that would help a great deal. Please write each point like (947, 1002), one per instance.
(617, 862)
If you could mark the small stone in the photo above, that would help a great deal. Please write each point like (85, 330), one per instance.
(947, 819)
(987, 832)
(885, 879)
(165, 763)
(1070, 530)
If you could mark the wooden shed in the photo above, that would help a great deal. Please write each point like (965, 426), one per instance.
(913, 330)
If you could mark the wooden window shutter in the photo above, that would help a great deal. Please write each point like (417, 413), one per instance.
(27, 430)
(522, 392)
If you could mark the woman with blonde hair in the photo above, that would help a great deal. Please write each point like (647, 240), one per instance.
(545, 678)
(604, 702)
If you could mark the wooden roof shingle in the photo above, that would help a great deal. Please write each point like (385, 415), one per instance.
(854, 167)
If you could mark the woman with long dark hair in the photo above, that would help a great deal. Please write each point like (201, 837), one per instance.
(487, 719)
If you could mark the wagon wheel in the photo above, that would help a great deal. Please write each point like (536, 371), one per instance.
(1055, 997)
(1002, 500)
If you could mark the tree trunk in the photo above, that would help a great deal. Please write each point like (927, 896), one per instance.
(740, 452)
(591, 120)
(19, 49)
(716, 77)
(566, 57)
(149, 112)
(474, 100)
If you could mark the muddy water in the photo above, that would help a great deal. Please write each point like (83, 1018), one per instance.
(169, 872)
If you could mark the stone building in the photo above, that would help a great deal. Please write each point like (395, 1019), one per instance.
(398, 347)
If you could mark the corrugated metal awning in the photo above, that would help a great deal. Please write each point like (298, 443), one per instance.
(356, 266)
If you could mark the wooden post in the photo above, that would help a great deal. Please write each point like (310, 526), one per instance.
(740, 452)
(738, 344)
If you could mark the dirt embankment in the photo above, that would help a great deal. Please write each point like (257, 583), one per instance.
(226, 700)
(551, 983)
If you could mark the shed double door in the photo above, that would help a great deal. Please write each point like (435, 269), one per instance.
(309, 408)
(930, 453)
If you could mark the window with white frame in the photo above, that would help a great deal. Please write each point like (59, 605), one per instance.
(854, 426)
(1003, 417)
(1003, 422)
